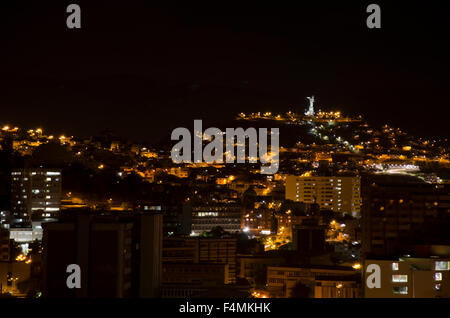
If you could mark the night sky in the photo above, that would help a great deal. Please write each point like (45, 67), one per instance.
(142, 69)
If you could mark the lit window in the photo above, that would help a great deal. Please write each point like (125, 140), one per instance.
(395, 266)
(51, 209)
(437, 286)
(53, 173)
(400, 290)
(442, 266)
(400, 278)
(437, 276)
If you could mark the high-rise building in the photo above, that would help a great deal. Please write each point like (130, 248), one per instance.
(119, 254)
(337, 193)
(409, 277)
(398, 216)
(177, 218)
(35, 195)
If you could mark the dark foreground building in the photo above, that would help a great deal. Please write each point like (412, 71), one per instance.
(396, 217)
(119, 254)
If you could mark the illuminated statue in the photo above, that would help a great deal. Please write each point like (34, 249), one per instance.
(310, 111)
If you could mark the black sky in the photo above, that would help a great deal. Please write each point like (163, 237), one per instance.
(143, 69)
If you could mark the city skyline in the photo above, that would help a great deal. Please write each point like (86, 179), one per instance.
(185, 151)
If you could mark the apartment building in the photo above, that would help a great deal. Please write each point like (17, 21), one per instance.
(337, 193)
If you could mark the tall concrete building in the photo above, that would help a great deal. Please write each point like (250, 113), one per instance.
(35, 195)
(337, 193)
(409, 277)
(177, 218)
(396, 217)
(119, 255)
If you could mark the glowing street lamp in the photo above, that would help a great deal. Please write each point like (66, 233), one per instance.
(357, 266)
